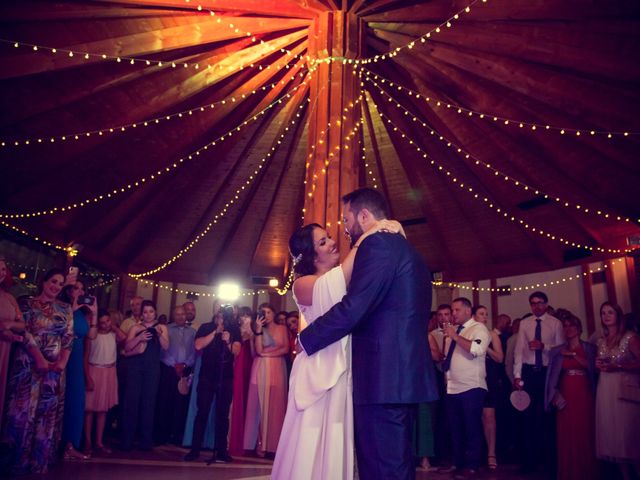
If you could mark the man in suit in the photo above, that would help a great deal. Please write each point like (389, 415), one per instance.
(386, 311)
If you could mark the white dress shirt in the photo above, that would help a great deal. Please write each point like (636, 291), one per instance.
(467, 370)
(551, 336)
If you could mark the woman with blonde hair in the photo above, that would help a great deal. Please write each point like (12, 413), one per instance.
(617, 415)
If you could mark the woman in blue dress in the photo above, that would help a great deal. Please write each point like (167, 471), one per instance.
(84, 325)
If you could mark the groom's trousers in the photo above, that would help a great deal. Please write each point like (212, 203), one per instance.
(384, 441)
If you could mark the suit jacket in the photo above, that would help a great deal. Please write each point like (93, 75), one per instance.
(555, 369)
(386, 311)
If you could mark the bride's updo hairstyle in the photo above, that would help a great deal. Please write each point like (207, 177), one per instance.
(302, 250)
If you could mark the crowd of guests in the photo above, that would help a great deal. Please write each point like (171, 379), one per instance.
(70, 373)
(581, 411)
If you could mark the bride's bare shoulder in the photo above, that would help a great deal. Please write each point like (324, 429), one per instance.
(303, 289)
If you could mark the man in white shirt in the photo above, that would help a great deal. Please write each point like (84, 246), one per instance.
(538, 334)
(464, 367)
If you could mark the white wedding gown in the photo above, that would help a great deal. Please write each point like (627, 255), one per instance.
(316, 442)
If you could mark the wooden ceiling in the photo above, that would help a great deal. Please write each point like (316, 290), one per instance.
(231, 176)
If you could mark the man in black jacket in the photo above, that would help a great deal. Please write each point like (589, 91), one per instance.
(386, 311)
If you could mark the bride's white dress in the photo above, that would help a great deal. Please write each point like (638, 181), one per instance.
(316, 442)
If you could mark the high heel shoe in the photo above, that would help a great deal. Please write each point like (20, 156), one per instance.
(71, 453)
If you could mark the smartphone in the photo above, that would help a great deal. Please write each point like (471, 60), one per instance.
(72, 276)
(86, 300)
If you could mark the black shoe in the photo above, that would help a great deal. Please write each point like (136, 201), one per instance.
(223, 457)
(191, 456)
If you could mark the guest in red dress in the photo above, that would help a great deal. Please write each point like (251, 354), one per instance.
(241, 376)
(570, 389)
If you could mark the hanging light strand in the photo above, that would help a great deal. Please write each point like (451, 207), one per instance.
(514, 123)
(63, 248)
(134, 60)
(207, 228)
(116, 129)
(422, 39)
(283, 291)
(508, 178)
(363, 153)
(311, 177)
(134, 184)
(222, 213)
(532, 286)
(489, 203)
(157, 284)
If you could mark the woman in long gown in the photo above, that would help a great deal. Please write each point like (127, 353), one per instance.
(241, 379)
(267, 395)
(85, 324)
(618, 417)
(570, 388)
(317, 436)
(37, 380)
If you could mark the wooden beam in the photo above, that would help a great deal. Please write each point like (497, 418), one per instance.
(475, 294)
(587, 285)
(333, 162)
(611, 282)
(494, 301)
(632, 263)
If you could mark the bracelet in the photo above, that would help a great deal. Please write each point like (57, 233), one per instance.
(258, 334)
(93, 325)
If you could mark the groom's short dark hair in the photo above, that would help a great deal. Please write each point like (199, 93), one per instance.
(370, 199)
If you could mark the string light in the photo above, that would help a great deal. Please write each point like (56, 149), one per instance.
(533, 286)
(207, 228)
(134, 184)
(447, 24)
(223, 212)
(283, 291)
(36, 238)
(132, 60)
(190, 292)
(312, 176)
(489, 203)
(117, 129)
(323, 133)
(19, 266)
(509, 178)
(369, 170)
(102, 283)
(489, 117)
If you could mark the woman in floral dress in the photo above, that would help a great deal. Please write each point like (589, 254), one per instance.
(37, 380)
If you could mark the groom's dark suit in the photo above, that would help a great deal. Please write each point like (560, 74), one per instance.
(386, 310)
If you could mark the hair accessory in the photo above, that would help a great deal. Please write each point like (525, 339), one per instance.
(297, 259)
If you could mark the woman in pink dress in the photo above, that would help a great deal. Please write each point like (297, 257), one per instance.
(267, 397)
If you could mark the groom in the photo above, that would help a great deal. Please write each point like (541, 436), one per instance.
(386, 311)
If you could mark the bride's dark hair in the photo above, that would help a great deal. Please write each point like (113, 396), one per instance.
(302, 249)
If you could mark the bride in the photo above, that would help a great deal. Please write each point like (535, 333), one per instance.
(316, 442)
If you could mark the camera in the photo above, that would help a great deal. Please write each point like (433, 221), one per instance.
(86, 300)
(228, 313)
(262, 313)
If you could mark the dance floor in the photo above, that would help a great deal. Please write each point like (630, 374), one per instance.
(165, 463)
